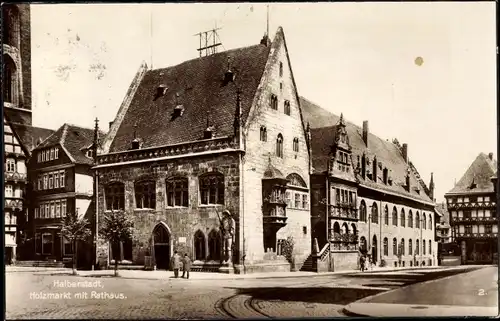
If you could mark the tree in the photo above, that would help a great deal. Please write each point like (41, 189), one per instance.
(75, 229)
(116, 227)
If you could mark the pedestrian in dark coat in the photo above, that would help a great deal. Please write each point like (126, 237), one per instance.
(186, 265)
(176, 264)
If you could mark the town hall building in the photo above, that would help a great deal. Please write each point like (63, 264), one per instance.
(212, 140)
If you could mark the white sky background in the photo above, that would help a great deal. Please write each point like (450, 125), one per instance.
(355, 58)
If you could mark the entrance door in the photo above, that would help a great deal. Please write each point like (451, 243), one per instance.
(161, 239)
(8, 255)
(374, 249)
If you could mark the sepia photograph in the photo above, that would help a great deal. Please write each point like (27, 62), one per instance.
(250, 160)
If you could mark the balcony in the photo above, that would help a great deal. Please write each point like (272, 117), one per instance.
(474, 219)
(343, 238)
(343, 211)
(478, 235)
(15, 177)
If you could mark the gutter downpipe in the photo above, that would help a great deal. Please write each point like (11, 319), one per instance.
(327, 216)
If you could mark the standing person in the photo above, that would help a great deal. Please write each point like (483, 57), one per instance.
(186, 265)
(176, 264)
(362, 262)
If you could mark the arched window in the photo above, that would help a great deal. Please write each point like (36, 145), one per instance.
(263, 134)
(345, 228)
(417, 248)
(403, 250)
(374, 213)
(177, 191)
(417, 220)
(279, 146)
(410, 219)
(410, 246)
(199, 246)
(115, 196)
(394, 246)
(295, 144)
(386, 215)
(214, 245)
(403, 217)
(386, 246)
(430, 247)
(274, 102)
(353, 229)
(296, 180)
(11, 80)
(430, 221)
(212, 188)
(423, 247)
(362, 211)
(424, 221)
(394, 216)
(287, 107)
(336, 228)
(145, 194)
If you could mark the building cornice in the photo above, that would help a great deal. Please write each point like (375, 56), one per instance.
(397, 195)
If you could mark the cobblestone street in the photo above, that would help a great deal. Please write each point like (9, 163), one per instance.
(320, 296)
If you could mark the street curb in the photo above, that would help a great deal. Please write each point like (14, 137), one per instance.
(316, 275)
(349, 312)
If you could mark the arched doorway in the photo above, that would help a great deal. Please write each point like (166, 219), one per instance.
(374, 249)
(362, 245)
(214, 245)
(161, 241)
(199, 246)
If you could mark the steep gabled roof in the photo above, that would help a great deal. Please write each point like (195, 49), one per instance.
(30, 136)
(198, 86)
(73, 139)
(480, 173)
(388, 153)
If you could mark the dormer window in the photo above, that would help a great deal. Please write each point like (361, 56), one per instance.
(161, 90)
(89, 153)
(208, 133)
(385, 175)
(178, 111)
(136, 144)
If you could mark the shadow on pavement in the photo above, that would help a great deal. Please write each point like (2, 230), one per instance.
(330, 295)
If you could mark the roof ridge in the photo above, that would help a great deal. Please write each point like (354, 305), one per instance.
(64, 133)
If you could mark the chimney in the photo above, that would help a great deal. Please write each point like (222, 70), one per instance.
(375, 164)
(365, 132)
(408, 181)
(363, 166)
(490, 155)
(385, 175)
(405, 152)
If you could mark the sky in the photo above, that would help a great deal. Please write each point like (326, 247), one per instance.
(424, 73)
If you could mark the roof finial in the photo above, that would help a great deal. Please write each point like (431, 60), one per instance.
(341, 121)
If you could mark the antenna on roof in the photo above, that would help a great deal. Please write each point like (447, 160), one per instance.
(209, 41)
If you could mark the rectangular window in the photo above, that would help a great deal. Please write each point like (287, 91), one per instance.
(177, 192)
(58, 209)
(287, 107)
(63, 208)
(42, 211)
(51, 181)
(52, 154)
(56, 152)
(288, 200)
(9, 192)
(36, 212)
(145, 195)
(52, 210)
(468, 229)
(62, 177)
(45, 181)
(38, 243)
(47, 210)
(297, 200)
(39, 157)
(337, 199)
(47, 243)
(56, 180)
(488, 229)
(305, 202)
(40, 182)
(11, 165)
(212, 189)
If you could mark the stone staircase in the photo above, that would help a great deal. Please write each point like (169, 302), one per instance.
(308, 265)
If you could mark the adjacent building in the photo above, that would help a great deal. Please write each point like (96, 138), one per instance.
(218, 134)
(443, 228)
(472, 207)
(62, 182)
(367, 197)
(19, 136)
